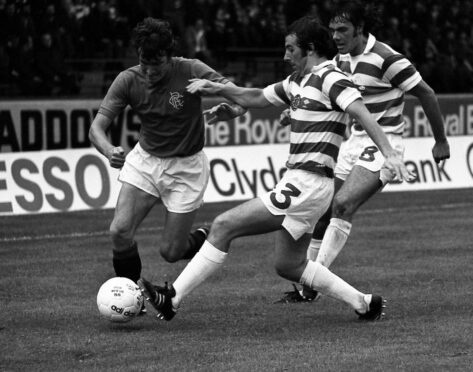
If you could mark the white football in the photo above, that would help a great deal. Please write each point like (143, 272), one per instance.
(119, 299)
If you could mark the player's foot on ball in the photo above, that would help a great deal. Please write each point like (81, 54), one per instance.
(375, 309)
(305, 294)
(159, 297)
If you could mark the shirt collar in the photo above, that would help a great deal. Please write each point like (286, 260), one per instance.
(369, 44)
(322, 65)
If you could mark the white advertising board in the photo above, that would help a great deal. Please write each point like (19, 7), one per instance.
(70, 180)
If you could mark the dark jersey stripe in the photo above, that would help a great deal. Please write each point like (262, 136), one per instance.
(314, 81)
(370, 91)
(312, 105)
(403, 75)
(368, 69)
(318, 127)
(390, 60)
(281, 93)
(391, 121)
(313, 167)
(376, 107)
(326, 148)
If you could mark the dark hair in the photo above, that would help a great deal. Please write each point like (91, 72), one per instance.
(309, 30)
(153, 38)
(357, 12)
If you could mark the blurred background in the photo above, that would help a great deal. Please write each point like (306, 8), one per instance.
(75, 48)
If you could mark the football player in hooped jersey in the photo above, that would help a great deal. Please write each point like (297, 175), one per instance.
(320, 97)
(167, 163)
(382, 76)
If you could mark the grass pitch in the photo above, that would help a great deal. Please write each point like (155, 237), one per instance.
(414, 248)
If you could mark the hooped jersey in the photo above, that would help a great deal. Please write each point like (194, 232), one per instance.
(382, 76)
(171, 118)
(317, 103)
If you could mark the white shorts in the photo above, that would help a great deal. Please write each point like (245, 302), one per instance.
(361, 150)
(180, 182)
(301, 196)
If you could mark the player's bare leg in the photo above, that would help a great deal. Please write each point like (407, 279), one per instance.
(177, 242)
(359, 186)
(321, 227)
(133, 205)
(306, 294)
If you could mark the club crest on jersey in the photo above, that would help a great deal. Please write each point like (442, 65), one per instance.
(295, 102)
(176, 100)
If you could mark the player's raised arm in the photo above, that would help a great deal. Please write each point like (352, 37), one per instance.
(245, 97)
(224, 111)
(98, 137)
(393, 160)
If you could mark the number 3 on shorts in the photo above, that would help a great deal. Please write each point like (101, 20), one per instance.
(290, 191)
(368, 153)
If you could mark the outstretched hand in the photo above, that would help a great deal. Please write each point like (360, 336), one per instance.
(223, 112)
(397, 167)
(202, 86)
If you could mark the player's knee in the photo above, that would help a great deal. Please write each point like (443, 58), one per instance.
(170, 256)
(222, 229)
(170, 251)
(342, 206)
(120, 233)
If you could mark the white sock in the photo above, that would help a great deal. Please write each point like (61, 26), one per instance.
(320, 278)
(334, 240)
(203, 264)
(367, 298)
(313, 249)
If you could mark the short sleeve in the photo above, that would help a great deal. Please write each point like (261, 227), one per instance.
(116, 98)
(278, 94)
(340, 90)
(202, 71)
(401, 72)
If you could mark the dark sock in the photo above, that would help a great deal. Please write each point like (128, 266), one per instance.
(128, 264)
(194, 242)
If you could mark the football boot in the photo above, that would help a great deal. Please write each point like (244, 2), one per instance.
(305, 294)
(375, 309)
(159, 297)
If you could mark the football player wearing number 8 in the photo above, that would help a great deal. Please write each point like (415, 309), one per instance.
(320, 97)
(382, 76)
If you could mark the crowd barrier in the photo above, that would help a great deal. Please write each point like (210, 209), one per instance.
(48, 165)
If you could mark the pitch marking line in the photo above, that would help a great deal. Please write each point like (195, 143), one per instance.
(157, 229)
